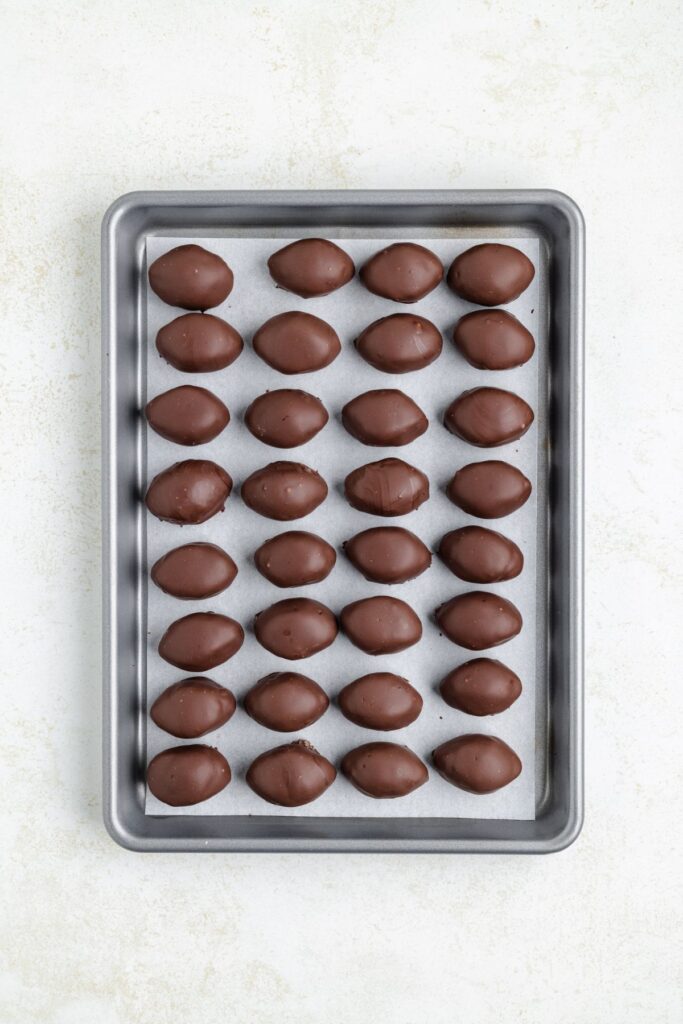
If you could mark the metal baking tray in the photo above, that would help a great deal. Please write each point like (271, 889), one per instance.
(556, 221)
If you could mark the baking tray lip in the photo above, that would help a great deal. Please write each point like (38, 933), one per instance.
(133, 838)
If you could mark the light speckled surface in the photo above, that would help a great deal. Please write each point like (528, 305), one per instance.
(101, 98)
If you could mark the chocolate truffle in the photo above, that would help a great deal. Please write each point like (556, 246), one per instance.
(189, 492)
(295, 628)
(199, 343)
(201, 641)
(296, 343)
(489, 490)
(478, 620)
(490, 274)
(389, 487)
(187, 415)
(381, 625)
(383, 418)
(284, 491)
(492, 339)
(380, 700)
(384, 771)
(291, 775)
(482, 686)
(488, 417)
(286, 701)
(478, 555)
(404, 272)
(191, 277)
(193, 707)
(187, 775)
(400, 343)
(295, 559)
(311, 267)
(476, 763)
(388, 554)
(194, 571)
(286, 418)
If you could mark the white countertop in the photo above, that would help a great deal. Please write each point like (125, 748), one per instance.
(103, 98)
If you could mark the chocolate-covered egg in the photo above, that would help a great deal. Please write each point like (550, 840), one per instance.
(478, 555)
(476, 763)
(493, 339)
(381, 625)
(194, 571)
(284, 491)
(488, 417)
(296, 343)
(187, 415)
(489, 489)
(201, 641)
(311, 267)
(390, 487)
(404, 272)
(191, 277)
(295, 628)
(388, 554)
(482, 686)
(291, 775)
(295, 559)
(286, 418)
(189, 492)
(187, 775)
(380, 700)
(490, 274)
(478, 620)
(384, 771)
(384, 418)
(286, 701)
(400, 343)
(193, 707)
(199, 343)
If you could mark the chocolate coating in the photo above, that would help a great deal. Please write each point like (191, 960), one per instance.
(493, 340)
(489, 490)
(400, 343)
(296, 343)
(189, 492)
(291, 775)
(381, 625)
(199, 343)
(286, 418)
(193, 707)
(477, 764)
(286, 701)
(284, 491)
(389, 487)
(310, 267)
(478, 620)
(200, 641)
(404, 272)
(388, 554)
(384, 418)
(482, 686)
(380, 700)
(194, 571)
(478, 555)
(384, 771)
(488, 417)
(182, 776)
(295, 559)
(295, 628)
(490, 274)
(191, 277)
(187, 415)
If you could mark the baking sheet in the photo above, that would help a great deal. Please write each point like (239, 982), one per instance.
(334, 453)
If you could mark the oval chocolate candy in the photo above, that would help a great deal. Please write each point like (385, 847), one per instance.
(296, 343)
(490, 274)
(187, 775)
(492, 339)
(295, 559)
(189, 492)
(478, 620)
(191, 277)
(199, 343)
(193, 707)
(488, 417)
(311, 267)
(388, 554)
(201, 641)
(404, 272)
(380, 700)
(286, 701)
(389, 487)
(384, 418)
(384, 771)
(291, 775)
(381, 625)
(489, 490)
(286, 418)
(284, 491)
(482, 686)
(400, 343)
(476, 763)
(295, 628)
(194, 571)
(187, 415)
(478, 555)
